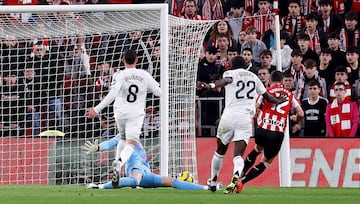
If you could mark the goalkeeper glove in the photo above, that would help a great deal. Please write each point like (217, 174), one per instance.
(90, 147)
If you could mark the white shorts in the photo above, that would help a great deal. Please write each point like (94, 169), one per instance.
(235, 128)
(130, 127)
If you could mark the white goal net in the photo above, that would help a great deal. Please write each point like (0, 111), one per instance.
(60, 63)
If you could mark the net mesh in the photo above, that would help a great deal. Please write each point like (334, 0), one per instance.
(59, 64)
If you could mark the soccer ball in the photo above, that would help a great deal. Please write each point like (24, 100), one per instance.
(185, 176)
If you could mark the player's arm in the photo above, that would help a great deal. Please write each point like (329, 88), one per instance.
(218, 83)
(90, 147)
(298, 110)
(154, 86)
(272, 99)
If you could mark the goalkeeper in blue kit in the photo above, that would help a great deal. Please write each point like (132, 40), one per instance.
(137, 170)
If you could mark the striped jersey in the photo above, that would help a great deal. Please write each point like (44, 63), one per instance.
(274, 117)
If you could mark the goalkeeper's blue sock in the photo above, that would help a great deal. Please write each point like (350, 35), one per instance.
(183, 185)
(124, 182)
(108, 185)
(254, 172)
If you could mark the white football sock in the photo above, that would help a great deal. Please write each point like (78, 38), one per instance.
(238, 162)
(126, 153)
(216, 164)
(120, 146)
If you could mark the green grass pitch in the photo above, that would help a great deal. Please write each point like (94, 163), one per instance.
(17, 194)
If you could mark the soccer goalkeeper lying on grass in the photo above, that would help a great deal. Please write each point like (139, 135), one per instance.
(137, 170)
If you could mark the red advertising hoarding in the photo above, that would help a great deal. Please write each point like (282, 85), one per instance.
(24, 160)
(330, 162)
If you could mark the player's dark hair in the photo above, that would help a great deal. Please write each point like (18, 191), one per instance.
(130, 56)
(237, 62)
(277, 76)
(314, 82)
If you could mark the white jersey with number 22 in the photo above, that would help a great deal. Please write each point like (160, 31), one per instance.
(241, 93)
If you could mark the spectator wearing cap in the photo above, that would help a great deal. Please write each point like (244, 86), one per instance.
(208, 69)
(337, 55)
(353, 67)
(236, 18)
(342, 115)
(315, 32)
(329, 21)
(294, 21)
(349, 35)
(303, 43)
(325, 69)
(284, 52)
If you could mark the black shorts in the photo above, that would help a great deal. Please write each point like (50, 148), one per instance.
(270, 140)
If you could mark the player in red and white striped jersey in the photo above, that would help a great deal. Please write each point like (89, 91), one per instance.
(271, 123)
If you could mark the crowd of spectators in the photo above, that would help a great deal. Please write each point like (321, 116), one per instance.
(319, 47)
(48, 83)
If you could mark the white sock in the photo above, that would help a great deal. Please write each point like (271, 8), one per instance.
(216, 164)
(126, 153)
(101, 186)
(120, 146)
(238, 162)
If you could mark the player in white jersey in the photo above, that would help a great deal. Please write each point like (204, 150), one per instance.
(137, 170)
(129, 89)
(236, 123)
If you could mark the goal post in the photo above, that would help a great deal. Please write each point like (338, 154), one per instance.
(73, 51)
